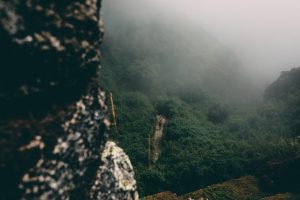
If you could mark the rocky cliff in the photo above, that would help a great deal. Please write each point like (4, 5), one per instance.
(288, 83)
(53, 117)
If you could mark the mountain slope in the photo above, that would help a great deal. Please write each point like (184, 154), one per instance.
(152, 54)
(185, 75)
(244, 188)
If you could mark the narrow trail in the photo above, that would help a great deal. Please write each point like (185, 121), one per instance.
(159, 127)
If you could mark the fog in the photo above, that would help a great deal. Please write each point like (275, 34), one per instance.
(264, 34)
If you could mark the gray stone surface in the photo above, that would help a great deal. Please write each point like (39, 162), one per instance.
(53, 114)
(115, 175)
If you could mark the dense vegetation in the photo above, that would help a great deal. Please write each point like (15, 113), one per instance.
(214, 132)
(244, 188)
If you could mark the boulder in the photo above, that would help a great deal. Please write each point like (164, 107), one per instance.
(53, 115)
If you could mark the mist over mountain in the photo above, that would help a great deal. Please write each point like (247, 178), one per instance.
(262, 34)
(189, 112)
(176, 53)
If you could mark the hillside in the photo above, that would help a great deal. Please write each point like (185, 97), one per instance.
(285, 91)
(287, 84)
(213, 134)
(244, 188)
(150, 54)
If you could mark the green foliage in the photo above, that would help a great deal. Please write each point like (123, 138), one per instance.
(203, 142)
(142, 74)
(218, 194)
(287, 83)
(217, 114)
(152, 181)
(154, 71)
(244, 188)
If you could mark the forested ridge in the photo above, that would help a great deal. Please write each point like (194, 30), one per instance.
(218, 127)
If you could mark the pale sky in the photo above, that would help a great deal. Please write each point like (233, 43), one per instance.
(265, 34)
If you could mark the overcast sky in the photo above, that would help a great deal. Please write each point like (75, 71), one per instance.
(264, 34)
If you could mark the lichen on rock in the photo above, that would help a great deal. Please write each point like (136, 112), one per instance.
(58, 173)
(53, 115)
(115, 175)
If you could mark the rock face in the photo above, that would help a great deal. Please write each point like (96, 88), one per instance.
(53, 116)
(114, 175)
(288, 83)
(47, 49)
(158, 134)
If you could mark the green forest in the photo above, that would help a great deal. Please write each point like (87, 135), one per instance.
(219, 126)
(149, 100)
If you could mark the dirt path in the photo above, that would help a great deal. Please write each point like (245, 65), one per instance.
(158, 136)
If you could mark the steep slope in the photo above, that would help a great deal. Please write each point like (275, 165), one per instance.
(285, 92)
(287, 84)
(244, 188)
(240, 189)
(154, 68)
(155, 52)
(285, 196)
